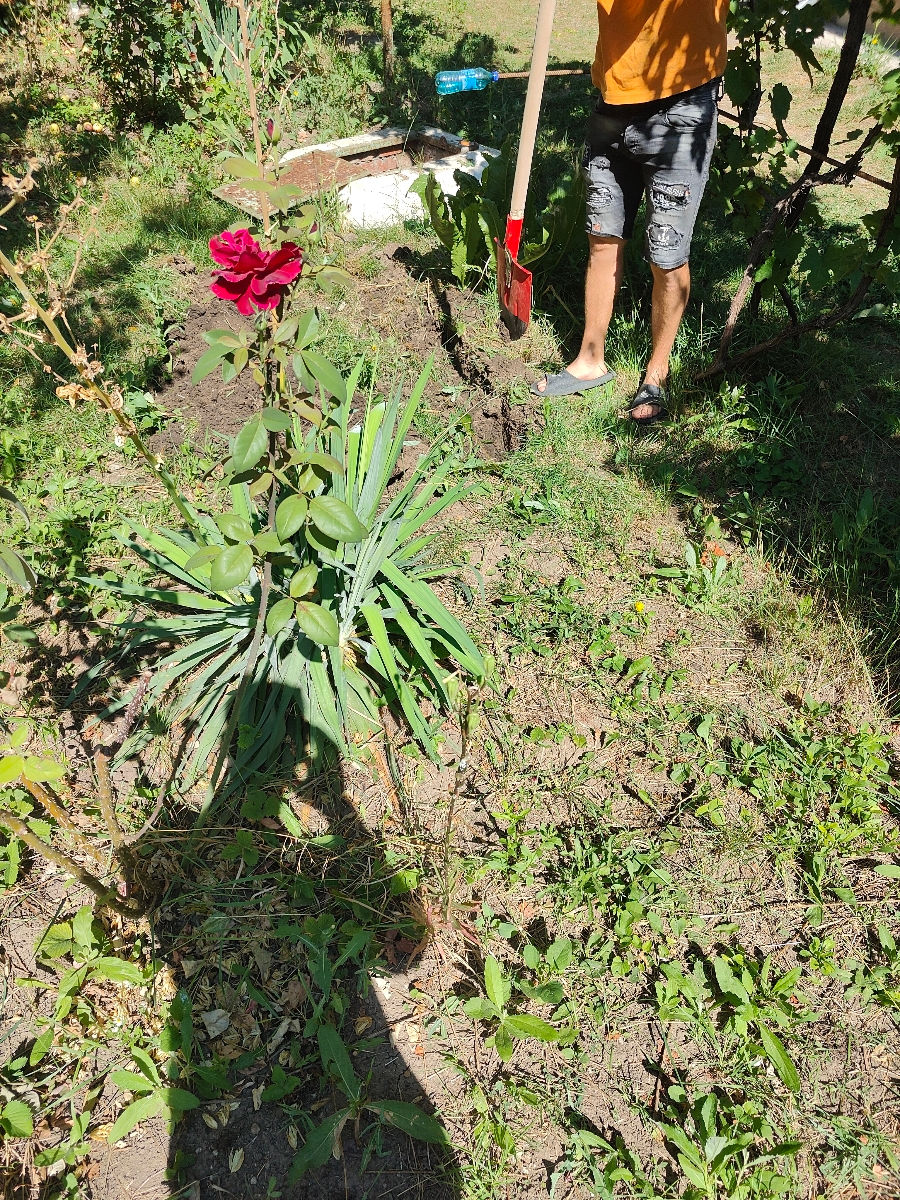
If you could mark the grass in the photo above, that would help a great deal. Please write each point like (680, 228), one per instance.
(676, 833)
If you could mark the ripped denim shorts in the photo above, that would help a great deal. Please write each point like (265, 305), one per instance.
(661, 150)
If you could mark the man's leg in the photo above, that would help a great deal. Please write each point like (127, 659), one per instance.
(677, 145)
(604, 274)
(671, 291)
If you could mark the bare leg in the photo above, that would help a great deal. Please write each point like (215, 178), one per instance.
(604, 274)
(671, 290)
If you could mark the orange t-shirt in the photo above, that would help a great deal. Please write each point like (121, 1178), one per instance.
(649, 50)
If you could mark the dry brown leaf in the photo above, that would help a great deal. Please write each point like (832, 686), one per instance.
(293, 995)
(216, 1021)
(263, 960)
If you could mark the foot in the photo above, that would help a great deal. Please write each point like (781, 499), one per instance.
(581, 369)
(648, 405)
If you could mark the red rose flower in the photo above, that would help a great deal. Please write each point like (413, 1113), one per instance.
(253, 278)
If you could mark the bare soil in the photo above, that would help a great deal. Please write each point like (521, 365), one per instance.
(398, 310)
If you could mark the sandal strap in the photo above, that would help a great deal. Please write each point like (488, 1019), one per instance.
(649, 393)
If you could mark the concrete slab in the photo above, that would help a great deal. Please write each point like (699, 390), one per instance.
(372, 172)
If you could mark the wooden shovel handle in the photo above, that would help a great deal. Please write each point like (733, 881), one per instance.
(533, 96)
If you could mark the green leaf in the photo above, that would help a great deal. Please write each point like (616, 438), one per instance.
(235, 528)
(131, 1081)
(559, 954)
(523, 1025)
(208, 361)
(178, 1099)
(286, 331)
(278, 616)
(494, 984)
(327, 461)
(17, 1119)
(41, 1047)
(203, 556)
(269, 543)
(410, 1119)
(42, 770)
(11, 498)
(780, 99)
(336, 519)
(325, 374)
(223, 337)
(503, 1044)
(328, 278)
(290, 515)
(480, 1009)
(307, 328)
(681, 1142)
(319, 1146)
(531, 957)
(139, 1110)
(547, 993)
(18, 737)
(146, 1063)
(249, 445)
(116, 970)
(779, 1058)
(231, 568)
(317, 623)
(241, 168)
(729, 985)
(888, 870)
(275, 420)
(56, 941)
(11, 767)
(14, 567)
(304, 580)
(83, 927)
(334, 1053)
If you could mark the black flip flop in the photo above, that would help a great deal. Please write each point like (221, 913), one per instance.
(648, 393)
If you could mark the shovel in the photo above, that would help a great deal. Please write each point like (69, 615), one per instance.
(513, 280)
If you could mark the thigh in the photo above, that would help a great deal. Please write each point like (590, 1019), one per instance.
(676, 149)
(613, 179)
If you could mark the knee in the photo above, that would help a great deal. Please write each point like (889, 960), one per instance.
(676, 278)
(599, 246)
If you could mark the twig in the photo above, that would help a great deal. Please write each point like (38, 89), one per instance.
(105, 894)
(112, 404)
(52, 805)
(829, 320)
(847, 168)
(131, 838)
(107, 806)
(254, 110)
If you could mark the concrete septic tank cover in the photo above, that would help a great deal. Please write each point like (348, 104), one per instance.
(372, 172)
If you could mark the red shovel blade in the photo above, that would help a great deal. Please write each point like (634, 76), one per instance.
(513, 283)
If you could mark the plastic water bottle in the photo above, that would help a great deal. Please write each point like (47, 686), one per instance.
(472, 79)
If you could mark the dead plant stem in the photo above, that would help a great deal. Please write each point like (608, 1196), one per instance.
(106, 895)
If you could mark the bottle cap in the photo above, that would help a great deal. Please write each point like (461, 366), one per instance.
(495, 75)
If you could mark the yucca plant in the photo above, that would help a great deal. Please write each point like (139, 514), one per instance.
(350, 622)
